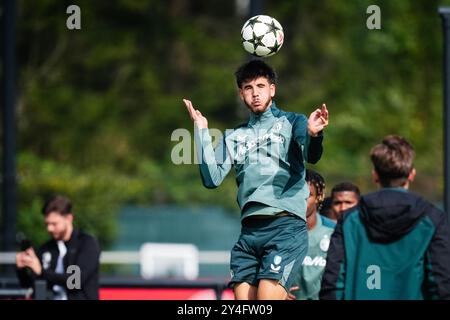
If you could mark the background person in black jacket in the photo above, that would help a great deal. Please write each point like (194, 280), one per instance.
(68, 247)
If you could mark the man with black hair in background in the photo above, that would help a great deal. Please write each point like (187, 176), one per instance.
(344, 195)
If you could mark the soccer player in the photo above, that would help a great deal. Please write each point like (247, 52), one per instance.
(394, 244)
(320, 230)
(268, 154)
(344, 195)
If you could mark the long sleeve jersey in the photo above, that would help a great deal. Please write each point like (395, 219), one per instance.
(268, 154)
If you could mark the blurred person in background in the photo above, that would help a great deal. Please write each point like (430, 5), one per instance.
(343, 196)
(325, 209)
(394, 245)
(320, 229)
(67, 247)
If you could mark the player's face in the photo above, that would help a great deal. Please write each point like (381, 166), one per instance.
(257, 94)
(58, 225)
(342, 201)
(311, 203)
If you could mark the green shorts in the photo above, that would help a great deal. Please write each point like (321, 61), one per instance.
(272, 248)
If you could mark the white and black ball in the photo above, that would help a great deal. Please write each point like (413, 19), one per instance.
(262, 36)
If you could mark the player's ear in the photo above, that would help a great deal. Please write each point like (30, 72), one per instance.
(272, 90)
(69, 217)
(412, 175)
(241, 94)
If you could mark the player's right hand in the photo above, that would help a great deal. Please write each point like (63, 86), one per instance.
(196, 115)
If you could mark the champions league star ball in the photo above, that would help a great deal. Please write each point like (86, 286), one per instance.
(262, 36)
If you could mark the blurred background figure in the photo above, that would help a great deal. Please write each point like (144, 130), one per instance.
(343, 196)
(325, 209)
(320, 229)
(394, 245)
(67, 247)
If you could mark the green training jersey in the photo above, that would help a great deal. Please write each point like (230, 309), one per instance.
(313, 266)
(268, 154)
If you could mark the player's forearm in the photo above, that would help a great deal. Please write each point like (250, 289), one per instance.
(315, 149)
(211, 172)
(54, 278)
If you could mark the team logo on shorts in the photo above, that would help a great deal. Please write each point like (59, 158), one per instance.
(324, 243)
(275, 266)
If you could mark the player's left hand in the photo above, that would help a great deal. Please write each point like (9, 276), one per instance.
(317, 121)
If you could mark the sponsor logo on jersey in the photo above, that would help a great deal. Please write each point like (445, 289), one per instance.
(245, 146)
(317, 261)
(324, 243)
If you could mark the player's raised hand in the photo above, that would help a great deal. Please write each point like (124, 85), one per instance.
(196, 115)
(317, 121)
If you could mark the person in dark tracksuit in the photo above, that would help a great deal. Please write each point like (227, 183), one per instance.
(69, 247)
(394, 244)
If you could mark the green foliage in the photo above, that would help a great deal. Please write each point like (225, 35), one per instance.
(97, 106)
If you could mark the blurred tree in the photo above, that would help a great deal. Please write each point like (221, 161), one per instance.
(97, 106)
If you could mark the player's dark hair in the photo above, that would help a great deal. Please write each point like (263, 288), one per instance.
(254, 69)
(392, 160)
(346, 187)
(318, 182)
(59, 204)
(326, 207)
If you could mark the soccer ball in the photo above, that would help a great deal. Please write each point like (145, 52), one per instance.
(262, 36)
